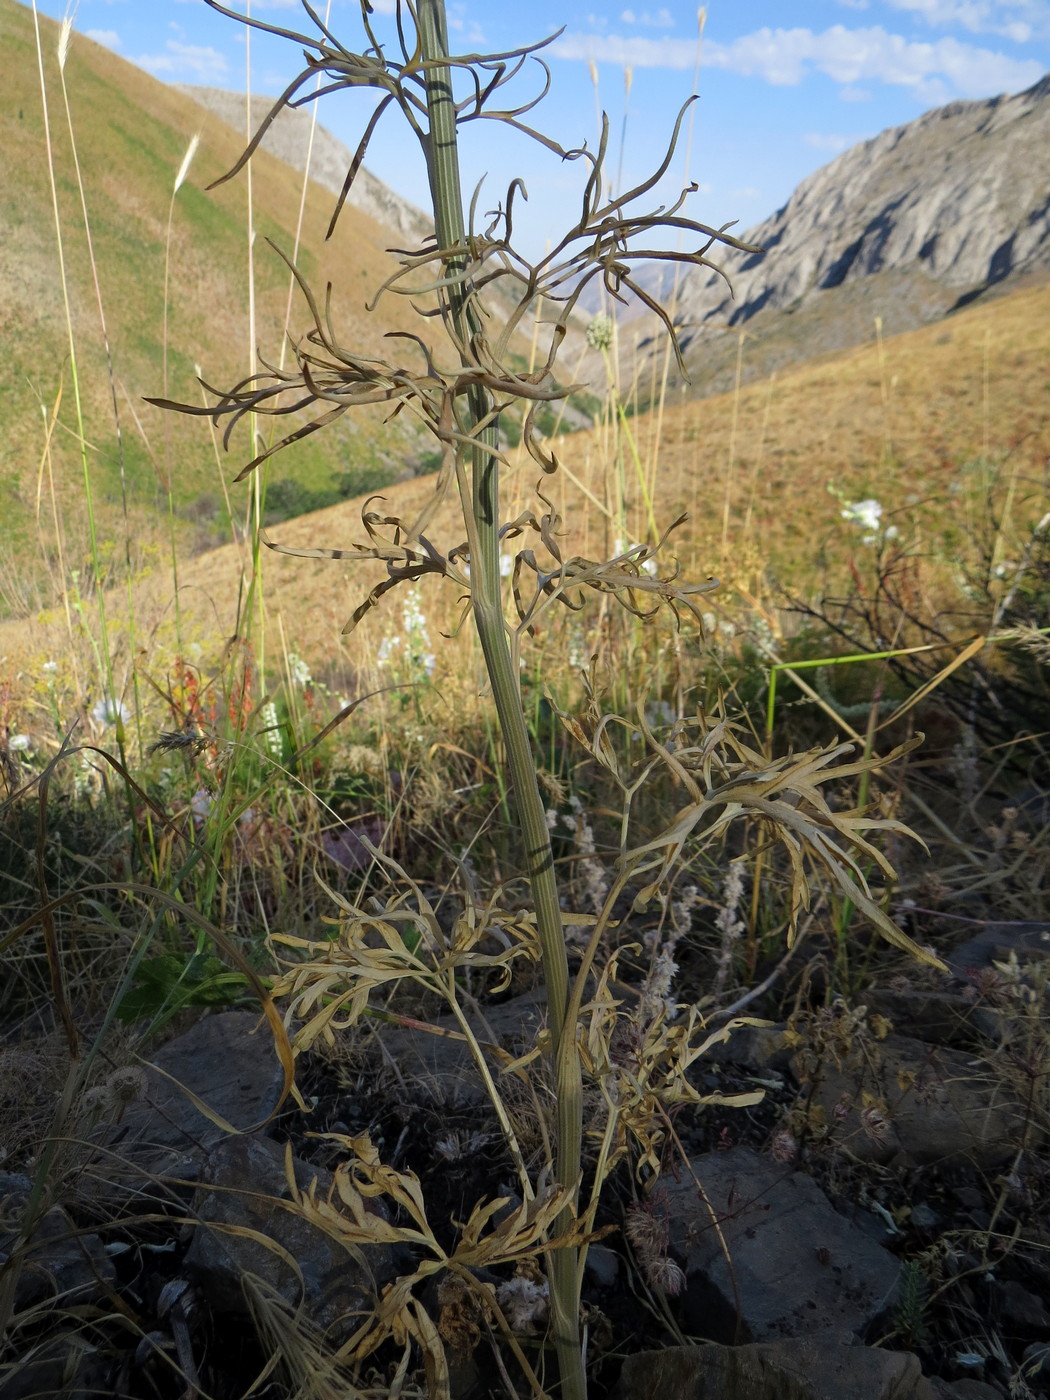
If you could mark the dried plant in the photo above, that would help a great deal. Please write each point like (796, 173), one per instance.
(458, 392)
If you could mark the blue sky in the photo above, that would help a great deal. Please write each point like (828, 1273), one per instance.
(783, 86)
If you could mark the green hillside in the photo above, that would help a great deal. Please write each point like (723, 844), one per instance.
(131, 133)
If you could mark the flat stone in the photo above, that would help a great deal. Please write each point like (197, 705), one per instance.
(940, 1018)
(1029, 941)
(243, 1183)
(798, 1267)
(230, 1063)
(805, 1368)
(440, 1068)
(901, 1099)
(754, 1047)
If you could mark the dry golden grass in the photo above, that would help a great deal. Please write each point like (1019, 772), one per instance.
(904, 423)
(910, 423)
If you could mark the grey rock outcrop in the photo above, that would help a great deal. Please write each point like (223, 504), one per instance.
(962, 194)
(800, 1369)
(244, 1231)
(229, 1063)
(932, 1104)
(289, 140)
(798, 1267)
(907, 226)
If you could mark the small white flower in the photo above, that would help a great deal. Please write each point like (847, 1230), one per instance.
(866, 514)
(110, 712)
(300, 671)
(600, 332)
(49, 668)
(19, 743)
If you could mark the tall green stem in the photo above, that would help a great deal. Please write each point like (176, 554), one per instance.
(481, 517)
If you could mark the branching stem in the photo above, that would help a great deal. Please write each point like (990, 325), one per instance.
(481, 518)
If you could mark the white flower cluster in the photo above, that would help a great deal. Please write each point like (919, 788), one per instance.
(412, 646)
(868, 515)
(647, 566)
(299, 670)
(591, 872)
(600, 332)
(524, 1303)
(728, 924)
(271, 729)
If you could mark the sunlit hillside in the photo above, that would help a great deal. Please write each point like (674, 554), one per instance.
(929, 424)
(131, 134)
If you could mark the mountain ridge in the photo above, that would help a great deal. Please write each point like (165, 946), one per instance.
(943, 210)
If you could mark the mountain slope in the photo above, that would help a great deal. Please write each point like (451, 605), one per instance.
(924, 423)
(289, 140)
(131, 134)
(916, 222)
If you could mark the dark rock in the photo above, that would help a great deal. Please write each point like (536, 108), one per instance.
(811, 1368)
(229, 1062)
(441, 1069)
(996, 943)
(923, 1217)
(1021, 1309)
(797, 1265)
(64, 1369)
(753, 1047)
(940, 1018)
(60, 1262)
(970, 1389)
(902, 1099)
(1035, 1363)
(243, 1187)
(603, 1265)
(970, 1198)
(14, 1192)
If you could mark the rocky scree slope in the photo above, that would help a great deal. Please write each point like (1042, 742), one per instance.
(908, 226)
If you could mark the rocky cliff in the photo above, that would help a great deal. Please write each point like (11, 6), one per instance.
(907, 226)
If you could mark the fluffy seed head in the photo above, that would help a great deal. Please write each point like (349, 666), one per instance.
(187, 161)
(63, 41)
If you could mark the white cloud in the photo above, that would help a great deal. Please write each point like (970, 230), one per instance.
(662, 19)
(1012, 19)
(933, 71)
(109, 38)
(200, 61)
(828, 141)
